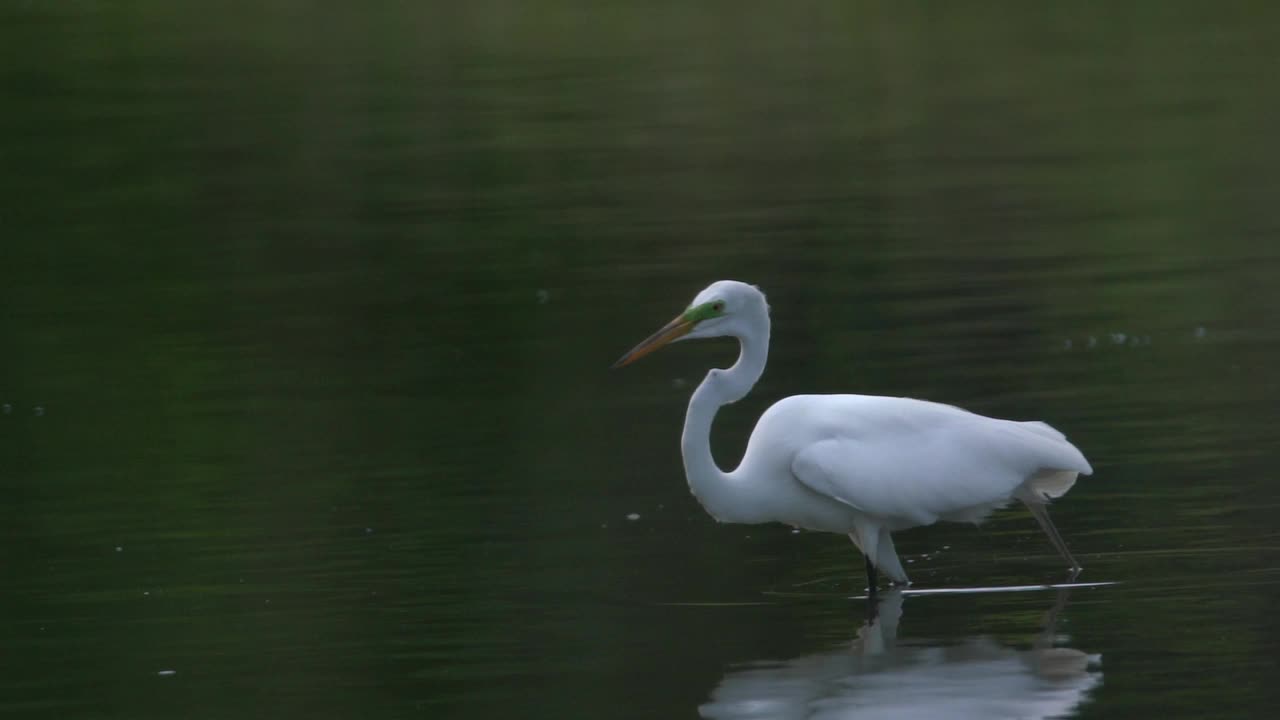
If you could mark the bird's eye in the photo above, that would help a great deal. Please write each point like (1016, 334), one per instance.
(718, 306)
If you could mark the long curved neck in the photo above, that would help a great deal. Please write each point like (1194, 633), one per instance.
(718, 491)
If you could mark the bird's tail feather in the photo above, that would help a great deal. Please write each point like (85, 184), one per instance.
(1048, 485)
(1043, 428)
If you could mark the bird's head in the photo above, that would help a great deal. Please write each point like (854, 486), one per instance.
(724, 308)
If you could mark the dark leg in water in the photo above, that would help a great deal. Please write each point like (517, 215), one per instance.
(873, 600)
(1041, 513)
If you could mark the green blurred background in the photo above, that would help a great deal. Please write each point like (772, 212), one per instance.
(308, 310)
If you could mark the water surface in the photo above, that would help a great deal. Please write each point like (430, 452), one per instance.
(308, 313)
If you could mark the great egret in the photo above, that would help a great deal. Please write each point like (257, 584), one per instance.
(861, 465)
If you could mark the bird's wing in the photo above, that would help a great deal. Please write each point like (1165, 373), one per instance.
(922, 472)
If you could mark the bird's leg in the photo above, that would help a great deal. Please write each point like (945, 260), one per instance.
(872, 580)
(873, 607)
(873, 600)
(1041, 513)
(866, 539)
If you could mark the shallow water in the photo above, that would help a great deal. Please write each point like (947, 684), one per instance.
(309, 312)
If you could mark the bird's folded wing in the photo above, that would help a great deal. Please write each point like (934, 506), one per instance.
(921, 476)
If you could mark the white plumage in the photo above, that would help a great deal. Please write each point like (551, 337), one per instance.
(862, 465)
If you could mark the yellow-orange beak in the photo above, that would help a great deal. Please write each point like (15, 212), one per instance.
(674, 330)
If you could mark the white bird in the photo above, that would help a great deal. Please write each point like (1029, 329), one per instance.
(862, 465)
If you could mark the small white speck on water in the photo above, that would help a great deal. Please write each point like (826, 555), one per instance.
(544, 296)
(39, 411)
(1118, 338)
(946, 547)
(909, 561)
(1093, 341)
(604, 526)
(1201, 332)
(633, 516)
(167, 673)
(368, 531)
(1066, 344)
(795, 531)
(119, 548)
(146, 593)
(679, 383)
(8, 408)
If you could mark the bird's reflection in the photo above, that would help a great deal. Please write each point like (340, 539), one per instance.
(879, 677)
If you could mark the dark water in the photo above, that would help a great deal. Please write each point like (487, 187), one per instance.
(307, 315)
